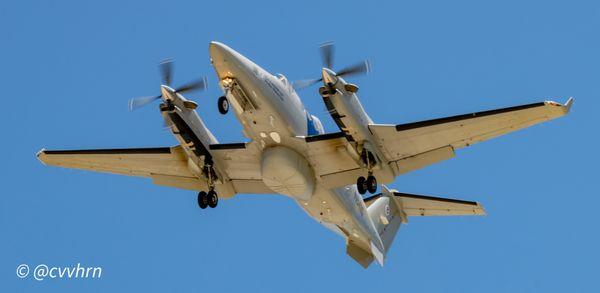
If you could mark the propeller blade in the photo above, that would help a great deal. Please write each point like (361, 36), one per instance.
(193, 86)
(327, 54)
(301, 84)
(166, 71)
(140, 102)
(359, 68)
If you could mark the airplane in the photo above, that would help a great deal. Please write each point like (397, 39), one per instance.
(289, 153)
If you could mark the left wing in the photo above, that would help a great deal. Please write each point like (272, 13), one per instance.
(444, 135)
(168, 166)
(411, 146)
(165, 165)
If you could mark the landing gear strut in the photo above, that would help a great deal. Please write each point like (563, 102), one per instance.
(223, 104)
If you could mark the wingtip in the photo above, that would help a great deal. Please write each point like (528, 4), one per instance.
(481, 211)
(569, 103)
(39, 155)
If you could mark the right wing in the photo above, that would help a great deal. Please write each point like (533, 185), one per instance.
(168, 166)
(142, 162)
(165, 165)
(414, 145)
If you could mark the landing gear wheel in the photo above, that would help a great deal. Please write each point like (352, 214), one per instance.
(223, 104)
(202, 200)
(213, 199)
(361, 185)
(371, 184)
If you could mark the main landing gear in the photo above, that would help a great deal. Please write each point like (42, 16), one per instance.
(370, 183)
(223, 105)
(210, 199)
(366, 184)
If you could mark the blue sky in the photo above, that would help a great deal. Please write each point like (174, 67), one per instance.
(69, 68)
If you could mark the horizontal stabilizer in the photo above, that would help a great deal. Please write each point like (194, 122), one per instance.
(422, 205)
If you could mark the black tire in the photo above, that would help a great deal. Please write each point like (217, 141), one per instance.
(202, 200)
(361, 185)
(223, 105)
(371, 184)
(213, 199)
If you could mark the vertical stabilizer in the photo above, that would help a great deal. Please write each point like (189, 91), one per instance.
(387, 217)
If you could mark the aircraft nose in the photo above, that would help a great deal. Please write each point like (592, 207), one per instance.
(223, 59)
(329, 76)
(218, 51)
(227, 62)
(221, 53)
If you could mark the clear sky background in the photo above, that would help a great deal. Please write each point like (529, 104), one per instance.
(69, 68)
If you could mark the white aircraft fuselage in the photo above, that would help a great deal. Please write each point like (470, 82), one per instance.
(279, 119)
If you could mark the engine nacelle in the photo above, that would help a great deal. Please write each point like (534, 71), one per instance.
(287, 172)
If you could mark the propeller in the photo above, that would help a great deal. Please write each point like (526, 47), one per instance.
(327, 56)
(166, 71)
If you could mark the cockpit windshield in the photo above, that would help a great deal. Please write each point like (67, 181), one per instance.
(282, 78)
(284, 81)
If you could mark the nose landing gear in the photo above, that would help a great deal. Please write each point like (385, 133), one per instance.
(223, 105)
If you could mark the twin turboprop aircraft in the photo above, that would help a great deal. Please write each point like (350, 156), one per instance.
(289, 153)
